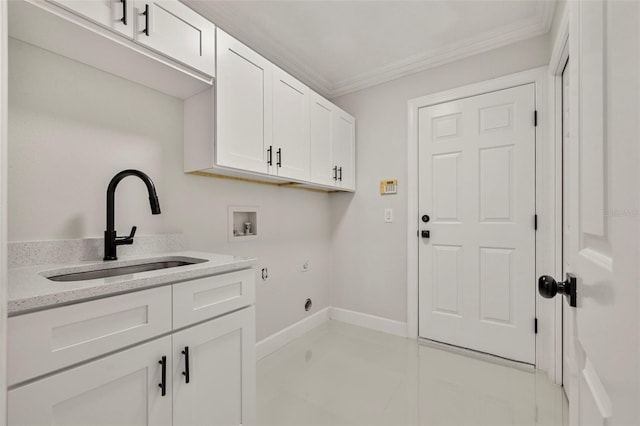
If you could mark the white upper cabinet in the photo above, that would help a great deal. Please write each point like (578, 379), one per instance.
(176, 57)
(116, 15)
(243, 106)
(320, 125)
(261, 123)
(290, 127)
(343, 148)
(166, 26)
(173, 29)
(332, 145)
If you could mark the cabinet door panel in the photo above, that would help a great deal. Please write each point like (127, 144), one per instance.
(120, 389)
(344, 149)
(108, 13)
(243, 106)
(320, 124)
(221, 388)
(290, 126)
(178, 32)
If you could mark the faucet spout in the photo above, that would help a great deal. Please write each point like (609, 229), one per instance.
(111, 241)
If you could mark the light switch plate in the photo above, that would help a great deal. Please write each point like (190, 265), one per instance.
(388, 215)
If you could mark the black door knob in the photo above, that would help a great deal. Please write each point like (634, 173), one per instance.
(548, 287)
(425, 218)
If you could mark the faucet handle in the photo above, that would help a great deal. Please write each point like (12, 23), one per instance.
(133, 232)
(129, 239)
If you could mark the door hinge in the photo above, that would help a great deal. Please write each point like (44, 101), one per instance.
(535, 222)
(535, 118)
(535, 325)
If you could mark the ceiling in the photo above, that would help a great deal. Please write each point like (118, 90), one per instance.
(339, 46)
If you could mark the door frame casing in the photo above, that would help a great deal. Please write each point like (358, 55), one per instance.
(559, 57)
(546, 203)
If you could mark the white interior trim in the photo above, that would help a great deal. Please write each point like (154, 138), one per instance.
(279, 339)
(3, 211)
(559, 56)
(494, 39)
(372, 322)
(545, 201)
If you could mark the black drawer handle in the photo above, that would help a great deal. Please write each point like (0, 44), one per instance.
(340, 175)
(270, 155)
(279, 153)
(163, 383)
(185, 373)
(124, 12)
(146, 20)
(335, 172)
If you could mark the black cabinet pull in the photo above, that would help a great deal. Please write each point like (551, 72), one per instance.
(185, 373)
(270, 155)
(335, 172)
(124, 12)
(146, 20)
(340, 175)
(163, 383)
(279, 153)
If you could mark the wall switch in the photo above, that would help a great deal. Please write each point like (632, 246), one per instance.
(388, 215)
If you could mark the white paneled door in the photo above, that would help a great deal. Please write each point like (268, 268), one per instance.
(477, 192)
(601, 244)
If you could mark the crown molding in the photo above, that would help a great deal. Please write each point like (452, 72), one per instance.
(226, 18)
(499, 37)
(545, 11)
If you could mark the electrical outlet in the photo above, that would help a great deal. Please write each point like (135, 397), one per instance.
(306, 267)
(388, 215)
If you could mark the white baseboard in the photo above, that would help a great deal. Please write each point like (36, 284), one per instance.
(373, 322)
(277, 340)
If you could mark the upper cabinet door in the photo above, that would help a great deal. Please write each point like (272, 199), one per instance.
(117, 15)
(173, 29)
(344, 131)
(290, 126)
(320, 124)
(243, 106)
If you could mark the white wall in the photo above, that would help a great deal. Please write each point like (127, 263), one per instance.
(73, 127)
(369, 256)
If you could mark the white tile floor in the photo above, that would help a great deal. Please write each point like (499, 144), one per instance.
(339, 374)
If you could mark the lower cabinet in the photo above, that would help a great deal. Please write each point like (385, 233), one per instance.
(204, 374)
(118, 389)
(218, 360)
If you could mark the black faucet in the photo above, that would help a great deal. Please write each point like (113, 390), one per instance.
(111, 241)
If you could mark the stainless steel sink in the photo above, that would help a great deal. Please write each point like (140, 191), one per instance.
(151, 265)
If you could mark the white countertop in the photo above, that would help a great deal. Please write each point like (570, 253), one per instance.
(30, 290)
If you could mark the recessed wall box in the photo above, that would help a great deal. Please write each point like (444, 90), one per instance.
(243, 223)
